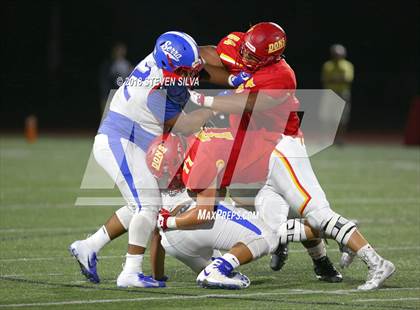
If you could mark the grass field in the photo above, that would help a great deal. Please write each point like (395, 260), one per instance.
(378, 185)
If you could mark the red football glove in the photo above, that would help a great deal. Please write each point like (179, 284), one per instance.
(162, 220)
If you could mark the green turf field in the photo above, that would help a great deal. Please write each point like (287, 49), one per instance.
(378, 185)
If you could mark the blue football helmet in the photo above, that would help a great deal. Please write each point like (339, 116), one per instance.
(176, 51)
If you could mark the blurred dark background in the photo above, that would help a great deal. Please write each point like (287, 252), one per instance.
(52, 50)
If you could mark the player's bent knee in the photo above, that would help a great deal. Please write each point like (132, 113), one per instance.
(292, 231)
(258, 247)
(331, 225)
(125, 214)
(141, 227)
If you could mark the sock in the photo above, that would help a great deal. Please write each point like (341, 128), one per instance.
(368, 255)
(133, 263)
(98, 240)
(230, 262)
(318, 251)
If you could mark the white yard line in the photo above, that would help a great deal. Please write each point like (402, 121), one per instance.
(387, 299)
(233, 296)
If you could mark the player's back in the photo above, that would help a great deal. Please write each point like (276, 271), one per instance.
(275, 80)
(210, 157)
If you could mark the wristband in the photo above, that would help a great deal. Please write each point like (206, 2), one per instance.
(208, 101)
(171, 222)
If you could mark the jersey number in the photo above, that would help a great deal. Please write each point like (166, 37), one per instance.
(187, 165)
(141, 72)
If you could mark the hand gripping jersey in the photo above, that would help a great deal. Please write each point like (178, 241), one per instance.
(271, 79)
(209, 152)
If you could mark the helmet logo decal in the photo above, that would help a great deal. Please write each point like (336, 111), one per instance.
(158, 157)
(250, 46)
(273, 47)
(170, 51)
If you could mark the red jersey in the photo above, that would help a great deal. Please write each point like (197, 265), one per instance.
(271, 79)
(209, 153)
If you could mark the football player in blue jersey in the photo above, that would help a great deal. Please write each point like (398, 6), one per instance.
(149, 103)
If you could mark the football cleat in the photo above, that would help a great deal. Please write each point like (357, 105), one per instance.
(215, 275)
(241, 277)
(125, 280)
(279, 257)
(87, 260)
(377, 275)
(325, 270)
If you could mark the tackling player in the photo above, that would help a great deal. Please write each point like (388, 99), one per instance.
(201, 165)
(255, 63)
(291, 176)
(138, 113)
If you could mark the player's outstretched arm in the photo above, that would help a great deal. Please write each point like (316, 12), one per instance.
(214, 72)
(194, 217)
(188, 123)
(210, 56)
(239, 103)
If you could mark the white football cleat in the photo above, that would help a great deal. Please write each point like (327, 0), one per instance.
(213, 276)
(126, 279)
(86, 258)
(377, 275)
(241, 277)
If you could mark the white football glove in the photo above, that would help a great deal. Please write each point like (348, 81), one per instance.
(200, 99)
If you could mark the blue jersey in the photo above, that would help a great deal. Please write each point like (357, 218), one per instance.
(142, 104)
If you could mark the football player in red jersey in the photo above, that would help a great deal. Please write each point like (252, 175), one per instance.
(259, 52)
(255, 59)
(201, 166)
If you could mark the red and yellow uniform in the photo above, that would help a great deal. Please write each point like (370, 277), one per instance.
(208, 158)
(270, 79)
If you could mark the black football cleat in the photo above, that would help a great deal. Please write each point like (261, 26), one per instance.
(325, 270)
(279, 257)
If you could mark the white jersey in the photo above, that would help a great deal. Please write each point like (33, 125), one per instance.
(140, 106)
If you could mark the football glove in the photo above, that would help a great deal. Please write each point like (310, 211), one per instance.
(236, 80)
(200, 99)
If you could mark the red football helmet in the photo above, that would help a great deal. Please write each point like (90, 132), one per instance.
(164, 159)
(263, 44)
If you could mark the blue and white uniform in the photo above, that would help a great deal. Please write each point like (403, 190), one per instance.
(232, 225)
(137, 114)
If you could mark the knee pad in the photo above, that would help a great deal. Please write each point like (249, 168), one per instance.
(141, 227)
(258, 246)
(125, 214)
(292, 231)
(332, 225)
